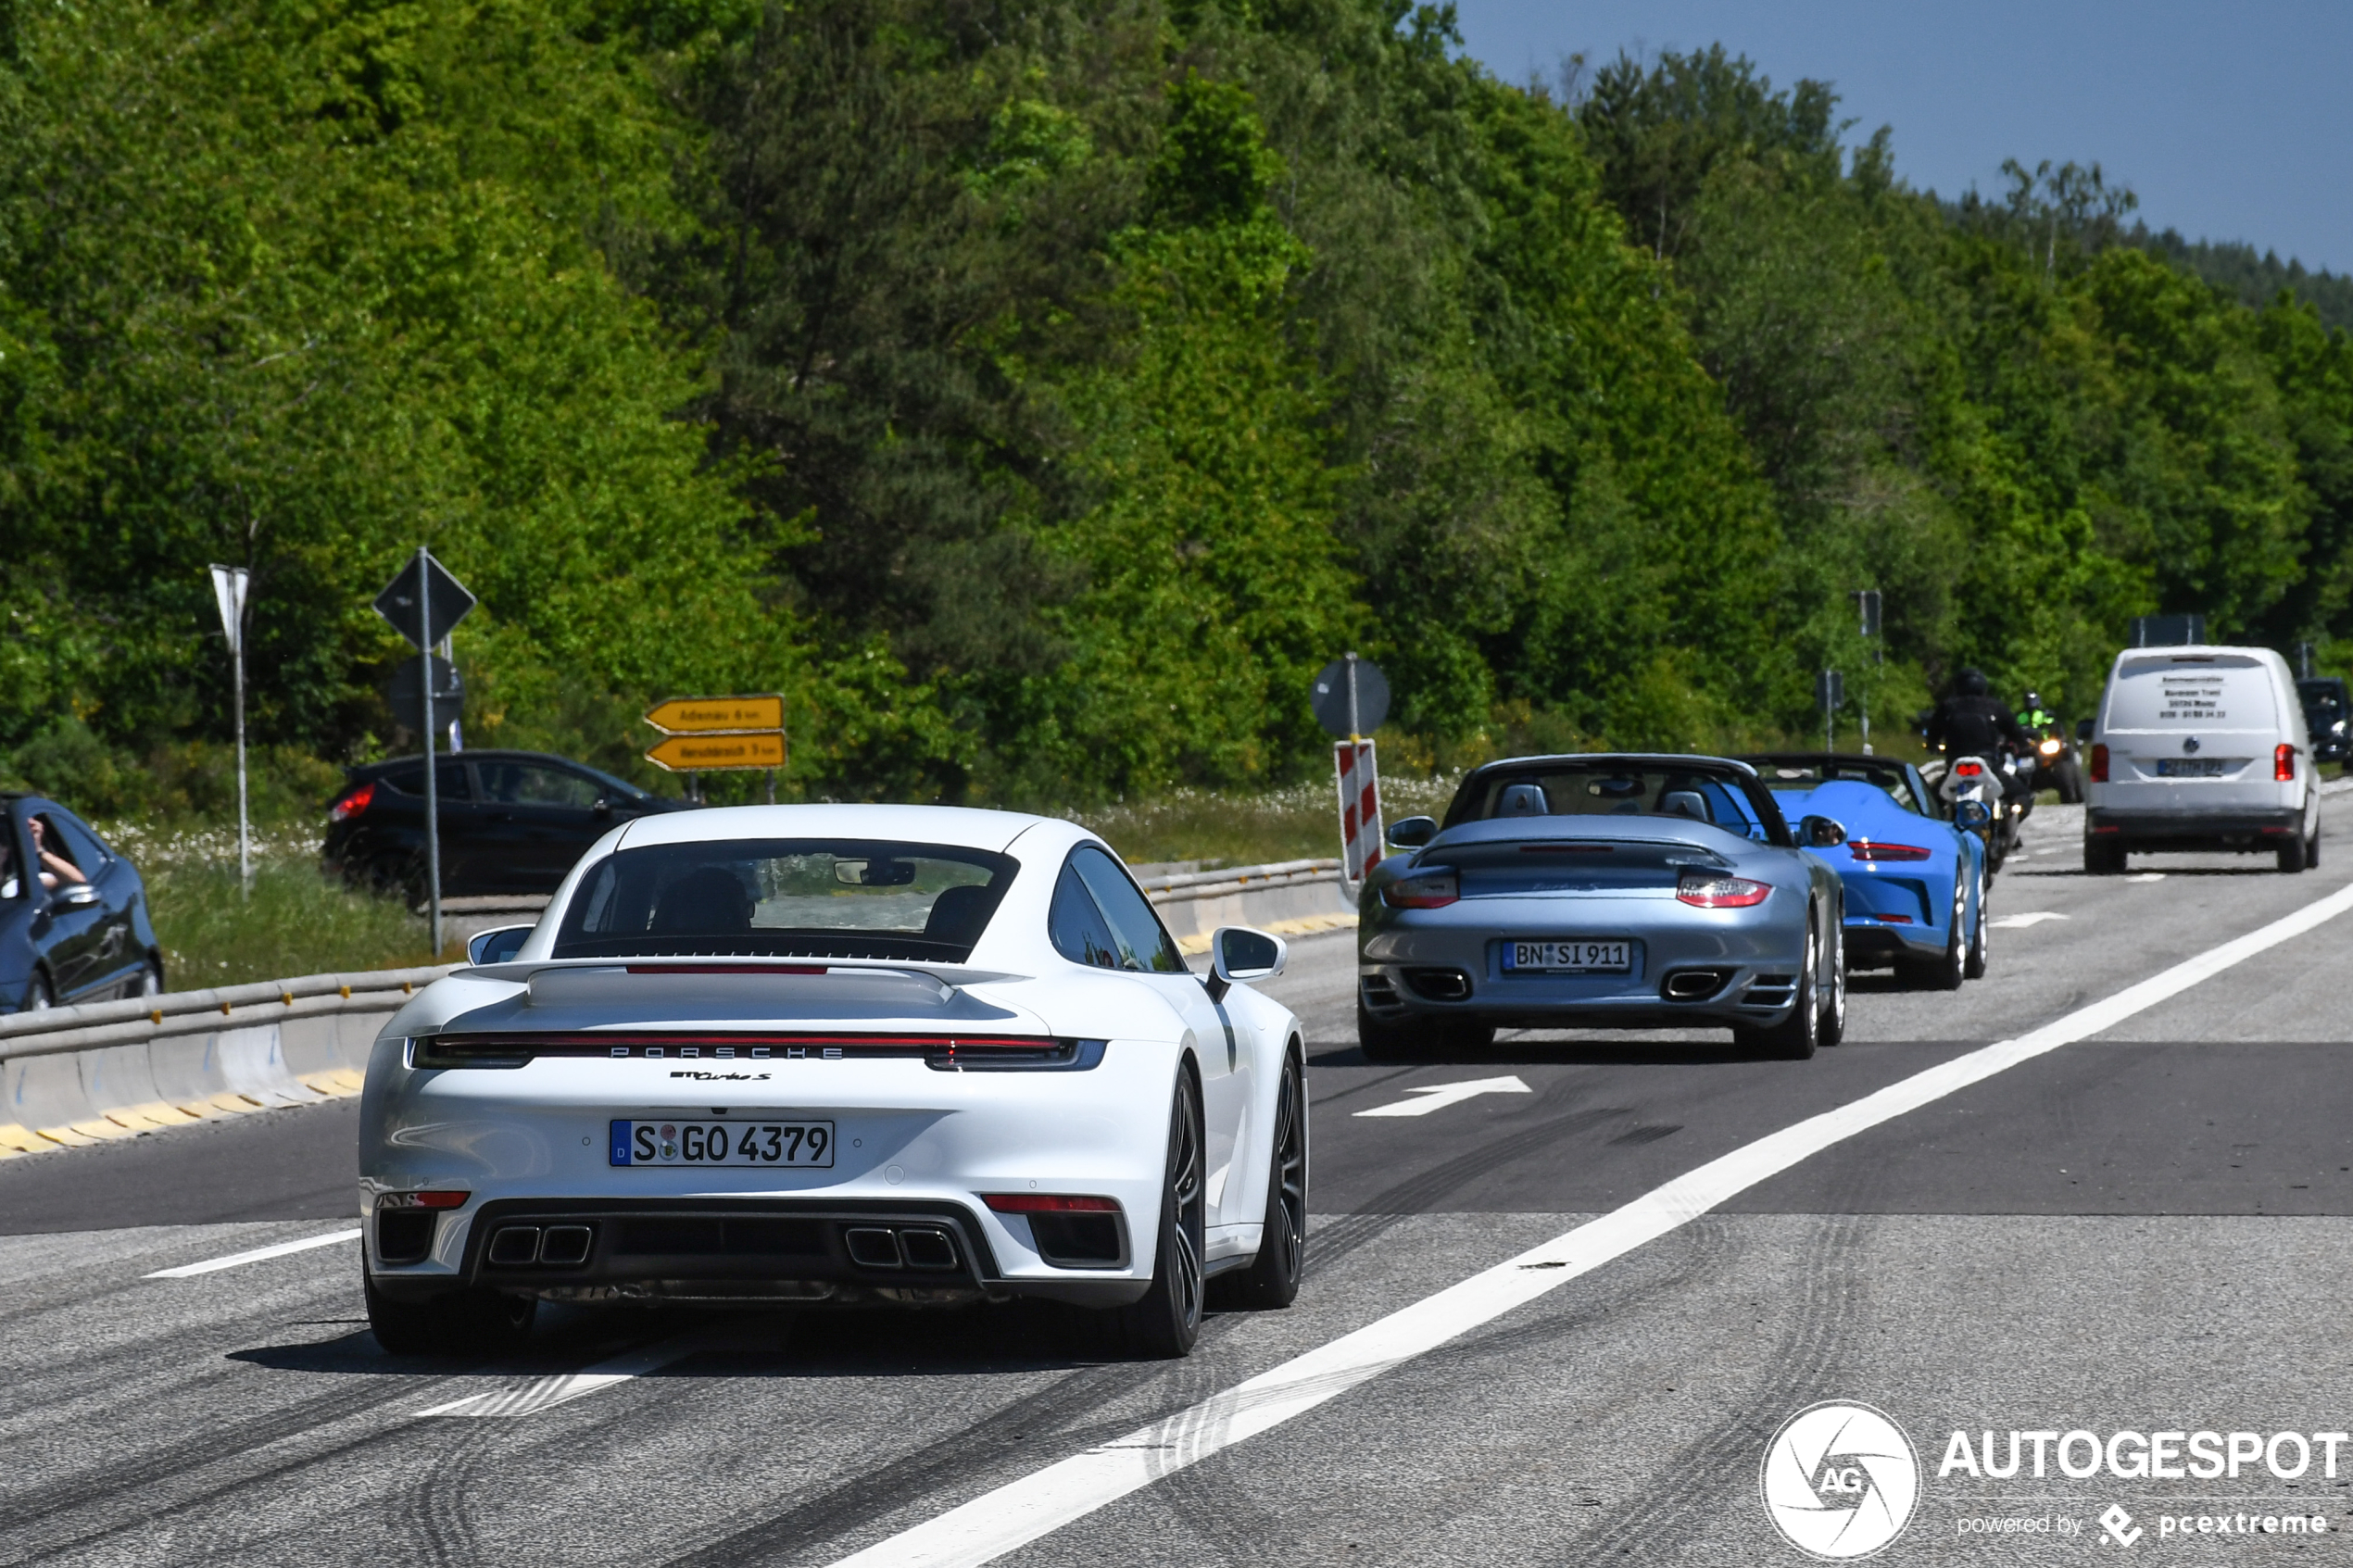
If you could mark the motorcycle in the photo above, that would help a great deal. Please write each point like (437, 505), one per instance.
(2056, 763)
(1984, 801)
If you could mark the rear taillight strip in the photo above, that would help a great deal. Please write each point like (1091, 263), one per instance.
(729, 1047)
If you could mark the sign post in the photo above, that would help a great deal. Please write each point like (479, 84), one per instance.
(1868, 601)
(1829, 691)
(424, 604)
(1350, 696)
(720, 735)
(229, 591)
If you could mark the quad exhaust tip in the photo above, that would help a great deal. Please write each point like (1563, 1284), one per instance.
(519, 1246)
(909, 1247)
(1694, 984)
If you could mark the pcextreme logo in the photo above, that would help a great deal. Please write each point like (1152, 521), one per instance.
(1840, 1480)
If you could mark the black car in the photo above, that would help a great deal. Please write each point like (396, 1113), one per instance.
(511, 821)
(74, 927)
(2327, 711)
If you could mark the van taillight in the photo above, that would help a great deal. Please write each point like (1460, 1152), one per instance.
(353, 804)
(2283, 763)
(2099, 764)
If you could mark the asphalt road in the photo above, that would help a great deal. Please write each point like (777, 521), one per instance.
(2145, 1229)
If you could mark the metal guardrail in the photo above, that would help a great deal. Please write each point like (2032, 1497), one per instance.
(1182, 886)
(137, 1019)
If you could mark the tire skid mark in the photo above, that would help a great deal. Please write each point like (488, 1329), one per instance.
(1697, 1485)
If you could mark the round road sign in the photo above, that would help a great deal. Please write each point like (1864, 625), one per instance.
(1329, 698)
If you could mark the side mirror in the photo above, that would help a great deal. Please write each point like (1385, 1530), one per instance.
(1236, 953)
(79, 896)
(1412, 833)
(601, 809)
(496, 945)
(1821, 832)
(1972, 813)
(2082, 728)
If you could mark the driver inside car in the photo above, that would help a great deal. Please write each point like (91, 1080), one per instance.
(55, 869)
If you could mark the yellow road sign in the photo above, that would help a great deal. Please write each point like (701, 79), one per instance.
(704, 754)
(716, 715)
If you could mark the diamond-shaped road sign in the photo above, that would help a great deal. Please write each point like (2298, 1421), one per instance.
(403, 599)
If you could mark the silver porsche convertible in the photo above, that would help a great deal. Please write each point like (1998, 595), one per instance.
(1606, 891)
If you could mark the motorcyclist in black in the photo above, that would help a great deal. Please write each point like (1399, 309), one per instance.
(1972, 723)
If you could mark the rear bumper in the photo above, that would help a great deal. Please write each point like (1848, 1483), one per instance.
(1872, 945)
(2240, 830)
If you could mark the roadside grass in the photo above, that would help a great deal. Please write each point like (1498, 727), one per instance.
(296, 921)
(1219, 828)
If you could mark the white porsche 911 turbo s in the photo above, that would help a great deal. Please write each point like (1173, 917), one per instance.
(803, 1054)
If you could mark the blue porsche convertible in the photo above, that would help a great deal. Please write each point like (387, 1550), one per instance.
(1914, 882)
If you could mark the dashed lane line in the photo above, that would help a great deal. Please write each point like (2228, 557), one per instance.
(259, 1255)
(1037, 1505)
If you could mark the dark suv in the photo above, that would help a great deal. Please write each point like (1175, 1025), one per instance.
(2326, 712)
(511, 821)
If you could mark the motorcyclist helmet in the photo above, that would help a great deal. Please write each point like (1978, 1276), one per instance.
(1971, 683)
(2034, 702)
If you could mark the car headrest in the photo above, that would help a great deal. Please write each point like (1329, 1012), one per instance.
(707, 901)
(1523, 800)
(959, 914)
(1685, 803)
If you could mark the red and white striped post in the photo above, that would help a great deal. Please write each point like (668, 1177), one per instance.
(1360, 823)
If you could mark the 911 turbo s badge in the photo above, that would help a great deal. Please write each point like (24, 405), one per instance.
(728, 1077)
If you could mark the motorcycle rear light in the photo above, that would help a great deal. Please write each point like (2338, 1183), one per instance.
(1047, 1203)
(1967, 770)
(436, 1200)
(352, 804)
(1424, 890)
(2283, 763)
(2099, 764)
(1871, 849)
(1721, 892)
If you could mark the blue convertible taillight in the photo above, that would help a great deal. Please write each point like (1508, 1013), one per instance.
(1423, 890)
(1874, 849)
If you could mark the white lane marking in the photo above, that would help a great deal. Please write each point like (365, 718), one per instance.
(2027, 918)
(543, 1393)
(1437, 1097)
(2147, 876)
(259, 1254)
(1021, 1511)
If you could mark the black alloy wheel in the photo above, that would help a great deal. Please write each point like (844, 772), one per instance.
(460, 1323)
(1272, 1279)
(1798, 1036)
(1166, 1321)
(1981, 941)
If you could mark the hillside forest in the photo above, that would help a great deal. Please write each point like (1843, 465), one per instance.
(1037, 393)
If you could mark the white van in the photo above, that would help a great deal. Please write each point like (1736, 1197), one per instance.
(2200, 748)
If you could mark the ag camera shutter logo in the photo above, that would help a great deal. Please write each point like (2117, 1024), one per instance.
(1839, 1480)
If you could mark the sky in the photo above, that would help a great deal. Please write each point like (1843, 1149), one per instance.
(2229, 121)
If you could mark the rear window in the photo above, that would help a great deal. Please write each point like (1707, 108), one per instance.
(2209, 690)
(788, 898)
(1632, 789)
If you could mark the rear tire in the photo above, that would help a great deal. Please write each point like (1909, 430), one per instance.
(1165, 1324)
(1943, 974)
(2292, 854)
(1980, 945)
(2103, 859)
(461, 1322)
(1796, 1038)
(1381, 1042)
(1834, 1025)
(1272, 1279)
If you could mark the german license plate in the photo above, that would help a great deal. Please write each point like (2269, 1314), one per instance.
(806, 1144)
(1570, 958)
(2191, 767)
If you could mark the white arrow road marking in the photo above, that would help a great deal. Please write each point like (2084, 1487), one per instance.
(543, 1393)
(1437, 1097)
(2147, 876)
(238, 1260)
(2030, 917)
(1037, 1505)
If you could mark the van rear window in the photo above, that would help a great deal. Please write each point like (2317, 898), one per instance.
(2210, 691)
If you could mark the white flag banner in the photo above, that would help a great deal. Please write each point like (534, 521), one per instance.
(229, 589)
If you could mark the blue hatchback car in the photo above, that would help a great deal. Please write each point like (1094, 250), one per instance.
(1914, 882)
(73, 913)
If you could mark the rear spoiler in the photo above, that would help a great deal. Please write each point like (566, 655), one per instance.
(955, 976)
